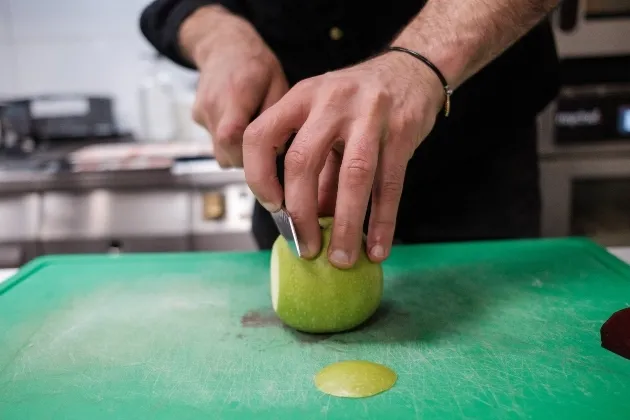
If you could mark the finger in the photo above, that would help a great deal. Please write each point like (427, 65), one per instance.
(388, 186)
(328, 181)
(205, 108)
(356, 177)
(232, 123)
(220, 155)
(277, 89)
(202, 116)
(222, 158)
(262, 140)
(303, 164)
(226, 111)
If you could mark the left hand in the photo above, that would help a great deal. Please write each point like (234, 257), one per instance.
(356, 129)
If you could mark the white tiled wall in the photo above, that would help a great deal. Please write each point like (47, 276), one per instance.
(76, 46)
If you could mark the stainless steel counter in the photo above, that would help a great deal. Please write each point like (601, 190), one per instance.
(24, 182)
(136, 211)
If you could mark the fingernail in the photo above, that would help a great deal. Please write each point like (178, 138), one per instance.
(378, 252)
(270, 207)
(304, 251)
(340, 257)
(307, 251)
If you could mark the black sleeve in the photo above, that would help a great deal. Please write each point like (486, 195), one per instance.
(160, 22)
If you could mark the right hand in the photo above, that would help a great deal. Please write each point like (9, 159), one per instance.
(239, 77)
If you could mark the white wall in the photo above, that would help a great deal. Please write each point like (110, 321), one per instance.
(76, 46)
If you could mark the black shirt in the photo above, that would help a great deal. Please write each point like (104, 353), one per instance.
(485, 149)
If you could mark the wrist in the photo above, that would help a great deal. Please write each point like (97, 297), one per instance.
(191, 33)
(421, 77)
(449, 53)
(204, 30)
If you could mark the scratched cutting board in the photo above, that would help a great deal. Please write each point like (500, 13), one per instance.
(489, 330)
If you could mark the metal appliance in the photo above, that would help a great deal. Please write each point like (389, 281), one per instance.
(584, 135)
(588, 196)
(16, 137)
(584, 147)
(592, 28)
(34, 122)
(587, 119)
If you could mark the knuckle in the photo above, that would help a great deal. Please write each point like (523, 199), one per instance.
(345, 228)
(341, 89)
(253, 132)
(391, 186)
(204, 103)
(383, 225)
(296, 160)
(402, 123)
(304, 84)
(388, 191)
(273, 64)
(396, 128)
(229, 133)
(401, 135)
(240, 82)
(396, 174)
(376, 100)
(359, 171)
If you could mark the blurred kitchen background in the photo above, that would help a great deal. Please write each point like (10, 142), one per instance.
(98, 151)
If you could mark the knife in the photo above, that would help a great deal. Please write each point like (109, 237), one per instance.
(285, 225)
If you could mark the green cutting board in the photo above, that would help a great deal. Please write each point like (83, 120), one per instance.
(495, 330)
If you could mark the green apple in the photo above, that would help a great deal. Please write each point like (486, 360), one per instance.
(316, 297)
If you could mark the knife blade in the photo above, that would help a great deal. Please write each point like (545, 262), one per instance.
(285, 225)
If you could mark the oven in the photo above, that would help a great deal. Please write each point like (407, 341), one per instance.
(587, 196)
(585, 28)
(584, 149)
(584, 134)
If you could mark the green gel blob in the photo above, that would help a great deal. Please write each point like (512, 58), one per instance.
(355, 379)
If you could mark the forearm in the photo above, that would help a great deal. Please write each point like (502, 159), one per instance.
(462, 36)
(210, 25)
(197, 27)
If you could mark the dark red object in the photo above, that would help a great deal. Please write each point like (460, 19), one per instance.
(615, 333)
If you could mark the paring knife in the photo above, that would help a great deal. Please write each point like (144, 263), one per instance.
(287, 229)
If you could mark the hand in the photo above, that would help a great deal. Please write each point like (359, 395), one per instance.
(356, 128)
(239, 76)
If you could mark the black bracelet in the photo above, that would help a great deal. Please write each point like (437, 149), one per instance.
(447, 90)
